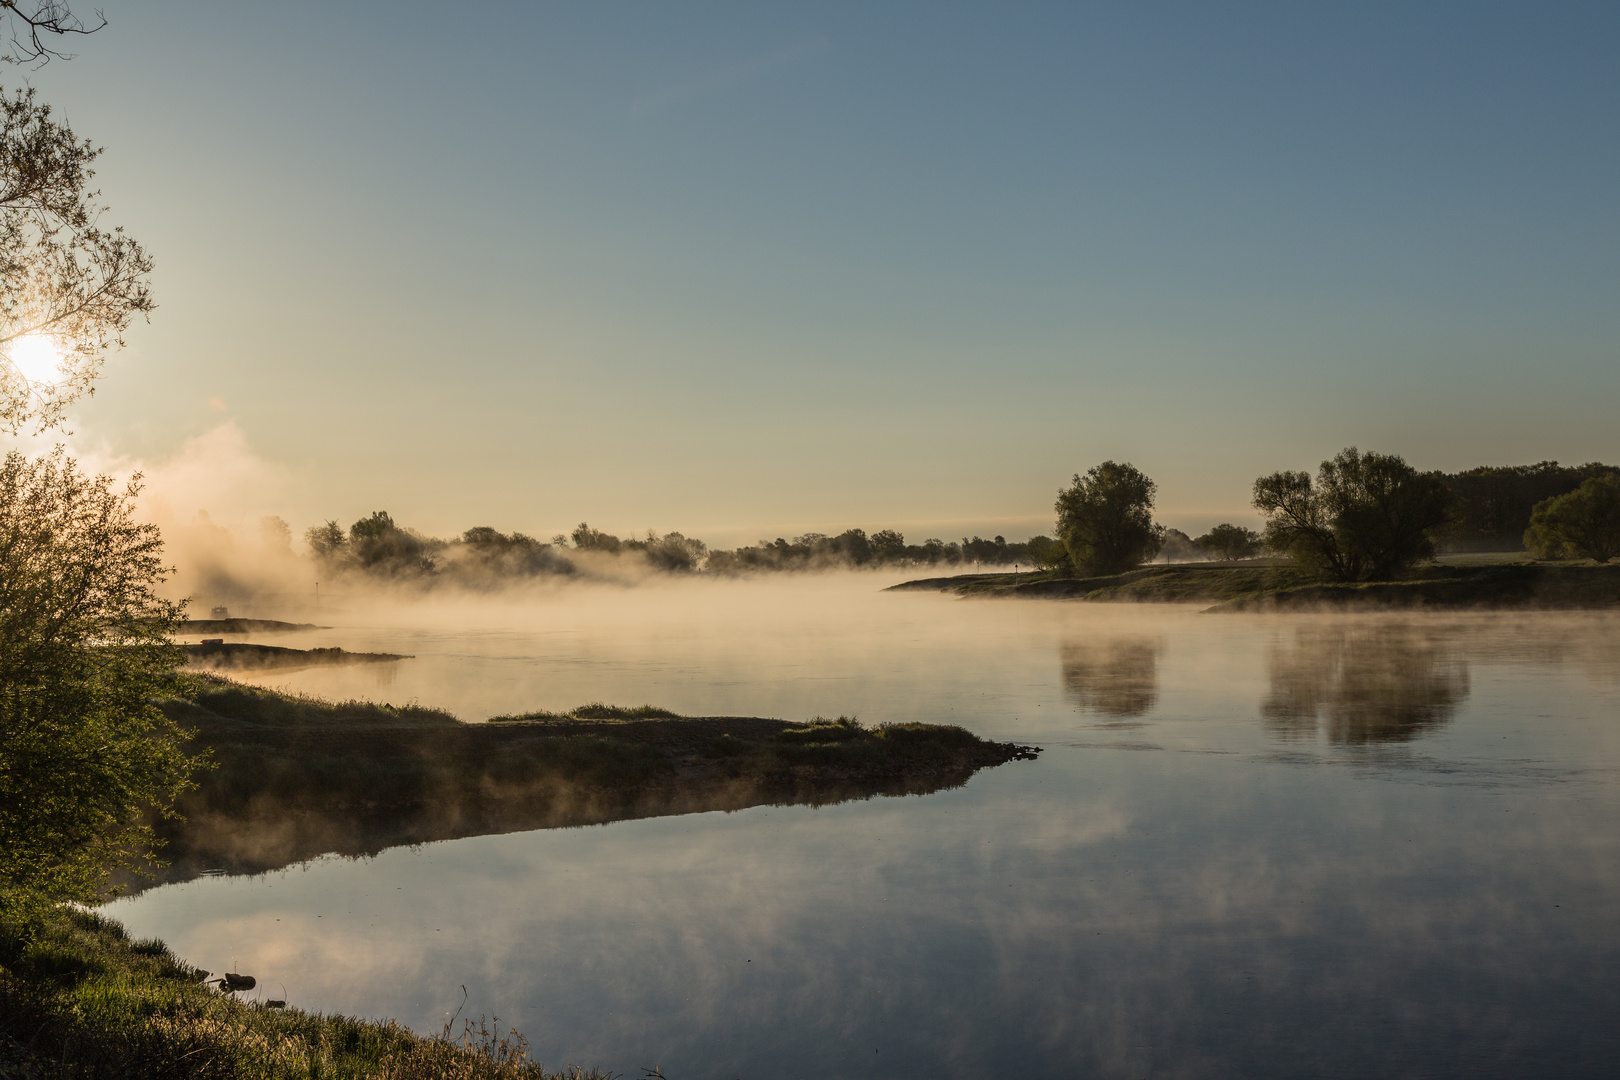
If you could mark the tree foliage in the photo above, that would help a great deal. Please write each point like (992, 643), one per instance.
(84, 649)
(1230, 542)
(1494, 502)
(1367, 516)
(1105, 519)
(67, 285)
(1584, 523)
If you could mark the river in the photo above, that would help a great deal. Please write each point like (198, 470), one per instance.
(1258, 845)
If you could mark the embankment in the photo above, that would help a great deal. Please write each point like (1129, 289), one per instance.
(1230, 587)
(297, 777)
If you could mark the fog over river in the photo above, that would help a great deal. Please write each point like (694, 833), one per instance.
(1254, 845)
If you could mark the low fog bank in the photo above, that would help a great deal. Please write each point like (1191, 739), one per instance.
(259, 563)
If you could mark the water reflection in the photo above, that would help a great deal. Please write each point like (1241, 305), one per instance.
(1221, 906)
(1363, 683)
(270, 834)
(1113, 677)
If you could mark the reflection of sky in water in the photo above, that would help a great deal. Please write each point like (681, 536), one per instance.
(1258, 877)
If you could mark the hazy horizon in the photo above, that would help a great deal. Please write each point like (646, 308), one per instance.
(747, 272)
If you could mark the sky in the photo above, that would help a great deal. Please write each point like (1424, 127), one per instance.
(760, 269)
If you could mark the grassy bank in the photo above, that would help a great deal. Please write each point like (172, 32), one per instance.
(297, 777)
(78, 999)
(1256, 587)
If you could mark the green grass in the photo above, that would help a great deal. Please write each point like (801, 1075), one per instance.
(1265, 585)
(79, 999)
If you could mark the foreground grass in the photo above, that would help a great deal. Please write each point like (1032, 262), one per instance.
(1269, 587)
(297, 777)
(79, 1000)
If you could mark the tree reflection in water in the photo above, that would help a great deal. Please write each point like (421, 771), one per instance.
(1117, 677)
(1364, 683)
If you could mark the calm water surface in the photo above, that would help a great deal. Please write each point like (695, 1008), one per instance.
(1254, 846)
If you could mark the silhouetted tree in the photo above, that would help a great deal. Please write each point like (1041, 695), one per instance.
(673, 552)
(1366, 516)
(34, 28)
(376, 543)
(1105, 519)
(487, 558)
(1584, 523)
(326, 541)
(853, 547)
(888, 546)
(1230, 542)
(589, 539)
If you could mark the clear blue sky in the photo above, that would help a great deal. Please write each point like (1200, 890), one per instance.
(752, 269)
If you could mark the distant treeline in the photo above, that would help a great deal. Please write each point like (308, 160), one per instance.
(1494, 501)
(1492, 508)
(379, 547)
(853, 549)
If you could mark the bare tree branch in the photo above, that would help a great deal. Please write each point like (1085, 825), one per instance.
(33, 28)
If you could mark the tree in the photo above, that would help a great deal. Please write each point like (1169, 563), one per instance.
(376, 543)
(1230, 542)
(589, 539)
(1584, 523)
(1495, 502)
(674, 552)
(84, 650)
(1105, 519)
(888, 546)
(1046, 553)
(1366, 516)
(326, 542)
(68, 288)
(32, 28)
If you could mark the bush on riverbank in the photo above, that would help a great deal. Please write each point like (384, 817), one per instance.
(79, 999)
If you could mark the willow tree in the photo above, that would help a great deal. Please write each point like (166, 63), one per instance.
(1105, 519)
(1366, 516)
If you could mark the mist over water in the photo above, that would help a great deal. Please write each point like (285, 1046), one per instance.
(1255, 845)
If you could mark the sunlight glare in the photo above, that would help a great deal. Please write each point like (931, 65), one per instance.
(38, 357)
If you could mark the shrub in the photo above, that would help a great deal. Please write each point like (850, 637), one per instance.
(1584, 523)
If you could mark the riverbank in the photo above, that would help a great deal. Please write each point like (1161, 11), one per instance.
(297, 777)
(79, 999)
(1232, 587)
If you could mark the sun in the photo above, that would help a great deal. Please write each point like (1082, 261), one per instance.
(38, 357)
